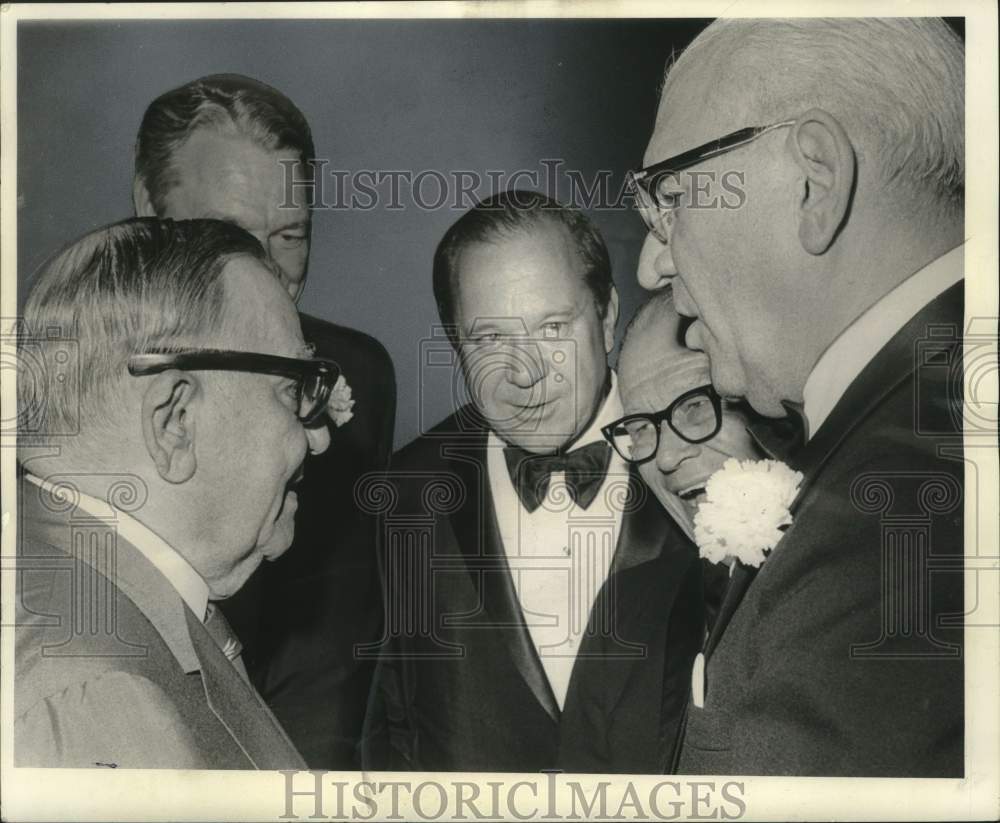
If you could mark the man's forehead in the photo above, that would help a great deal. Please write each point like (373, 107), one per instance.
(655, 374)
(693, 110)
(259, 310)
(229, 176)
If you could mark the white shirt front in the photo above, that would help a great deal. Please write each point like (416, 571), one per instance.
(858, 344)
(560, 554)
(179, 573)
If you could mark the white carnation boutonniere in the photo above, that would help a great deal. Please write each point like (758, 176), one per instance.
(340, 404)
(746, 509)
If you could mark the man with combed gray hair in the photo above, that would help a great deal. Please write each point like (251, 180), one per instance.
(229, 147)
(813, 292)
(195, 406)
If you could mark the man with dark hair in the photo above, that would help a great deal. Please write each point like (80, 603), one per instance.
(832, 297)
(221, 146)
(543, 610)
(194, 404)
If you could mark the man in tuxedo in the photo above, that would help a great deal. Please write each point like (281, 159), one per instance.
(163, 434)
(829, 293)
(543, 610)
(232, 148)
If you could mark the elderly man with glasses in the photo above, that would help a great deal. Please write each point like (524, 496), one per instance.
(828, 293)
(676, 429)
(167, 403)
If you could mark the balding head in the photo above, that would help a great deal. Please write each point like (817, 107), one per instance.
(654, 367)
(654, 370)
(851, 184)
(895, 84)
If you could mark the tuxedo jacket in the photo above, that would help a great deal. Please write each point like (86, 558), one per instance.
(843, 655)
(460, 681)
(300, 617)
(112, 669)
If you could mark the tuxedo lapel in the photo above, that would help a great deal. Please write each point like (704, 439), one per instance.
(478, 535)
(615, 633)
(893, 365)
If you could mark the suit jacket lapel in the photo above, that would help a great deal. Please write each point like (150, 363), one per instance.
(884, 373)
(233, 701)
(478, 535)
(239, 707)
(646, 532)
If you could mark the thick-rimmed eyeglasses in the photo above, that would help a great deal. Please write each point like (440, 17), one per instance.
(695, 416)
(315, 377)
(654, 187)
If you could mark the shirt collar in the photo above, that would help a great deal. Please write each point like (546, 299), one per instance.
(179, 573)
(858, 344)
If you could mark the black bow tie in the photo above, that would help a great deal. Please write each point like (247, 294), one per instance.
(585, 469)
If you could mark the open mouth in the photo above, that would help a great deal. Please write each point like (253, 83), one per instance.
(692, 493)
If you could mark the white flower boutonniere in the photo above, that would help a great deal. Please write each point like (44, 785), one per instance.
(340, 402)
(745, 510)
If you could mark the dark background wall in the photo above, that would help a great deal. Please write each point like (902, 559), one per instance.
(391, 95)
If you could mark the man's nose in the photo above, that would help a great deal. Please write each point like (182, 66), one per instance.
(673, 450)
(318, 438)
(526, 366)
(656, 264)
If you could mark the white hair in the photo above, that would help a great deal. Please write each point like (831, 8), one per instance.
(896, 84)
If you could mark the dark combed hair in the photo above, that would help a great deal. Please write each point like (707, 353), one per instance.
(139, 285)
(225, 102)
(505, 214)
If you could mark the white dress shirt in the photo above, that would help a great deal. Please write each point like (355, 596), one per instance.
(179, 573)
(560, 554)
(858, 344)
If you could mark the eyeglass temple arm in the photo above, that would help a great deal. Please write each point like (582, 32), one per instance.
(707, 150)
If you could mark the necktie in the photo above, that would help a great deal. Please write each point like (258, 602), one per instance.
(585, 469)
(222, 633)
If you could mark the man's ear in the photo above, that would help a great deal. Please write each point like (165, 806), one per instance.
(168, 424)
(610, 321)
(824, 152)
(141, 200)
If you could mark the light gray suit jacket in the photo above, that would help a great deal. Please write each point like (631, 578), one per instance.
(112, 669)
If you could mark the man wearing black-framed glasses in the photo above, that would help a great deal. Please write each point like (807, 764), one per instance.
(676, 429)
(190, 454)
(810, 292)
(220, 146)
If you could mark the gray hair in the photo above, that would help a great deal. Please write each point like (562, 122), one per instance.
(897, 85)
(227, 103)
(135, 286)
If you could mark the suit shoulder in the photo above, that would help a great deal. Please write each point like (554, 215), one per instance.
(464, 426)
(331, 338)
(91, 721)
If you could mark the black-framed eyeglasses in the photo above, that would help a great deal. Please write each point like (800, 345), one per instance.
(654, 198)
(315, 377)
(695, 416)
